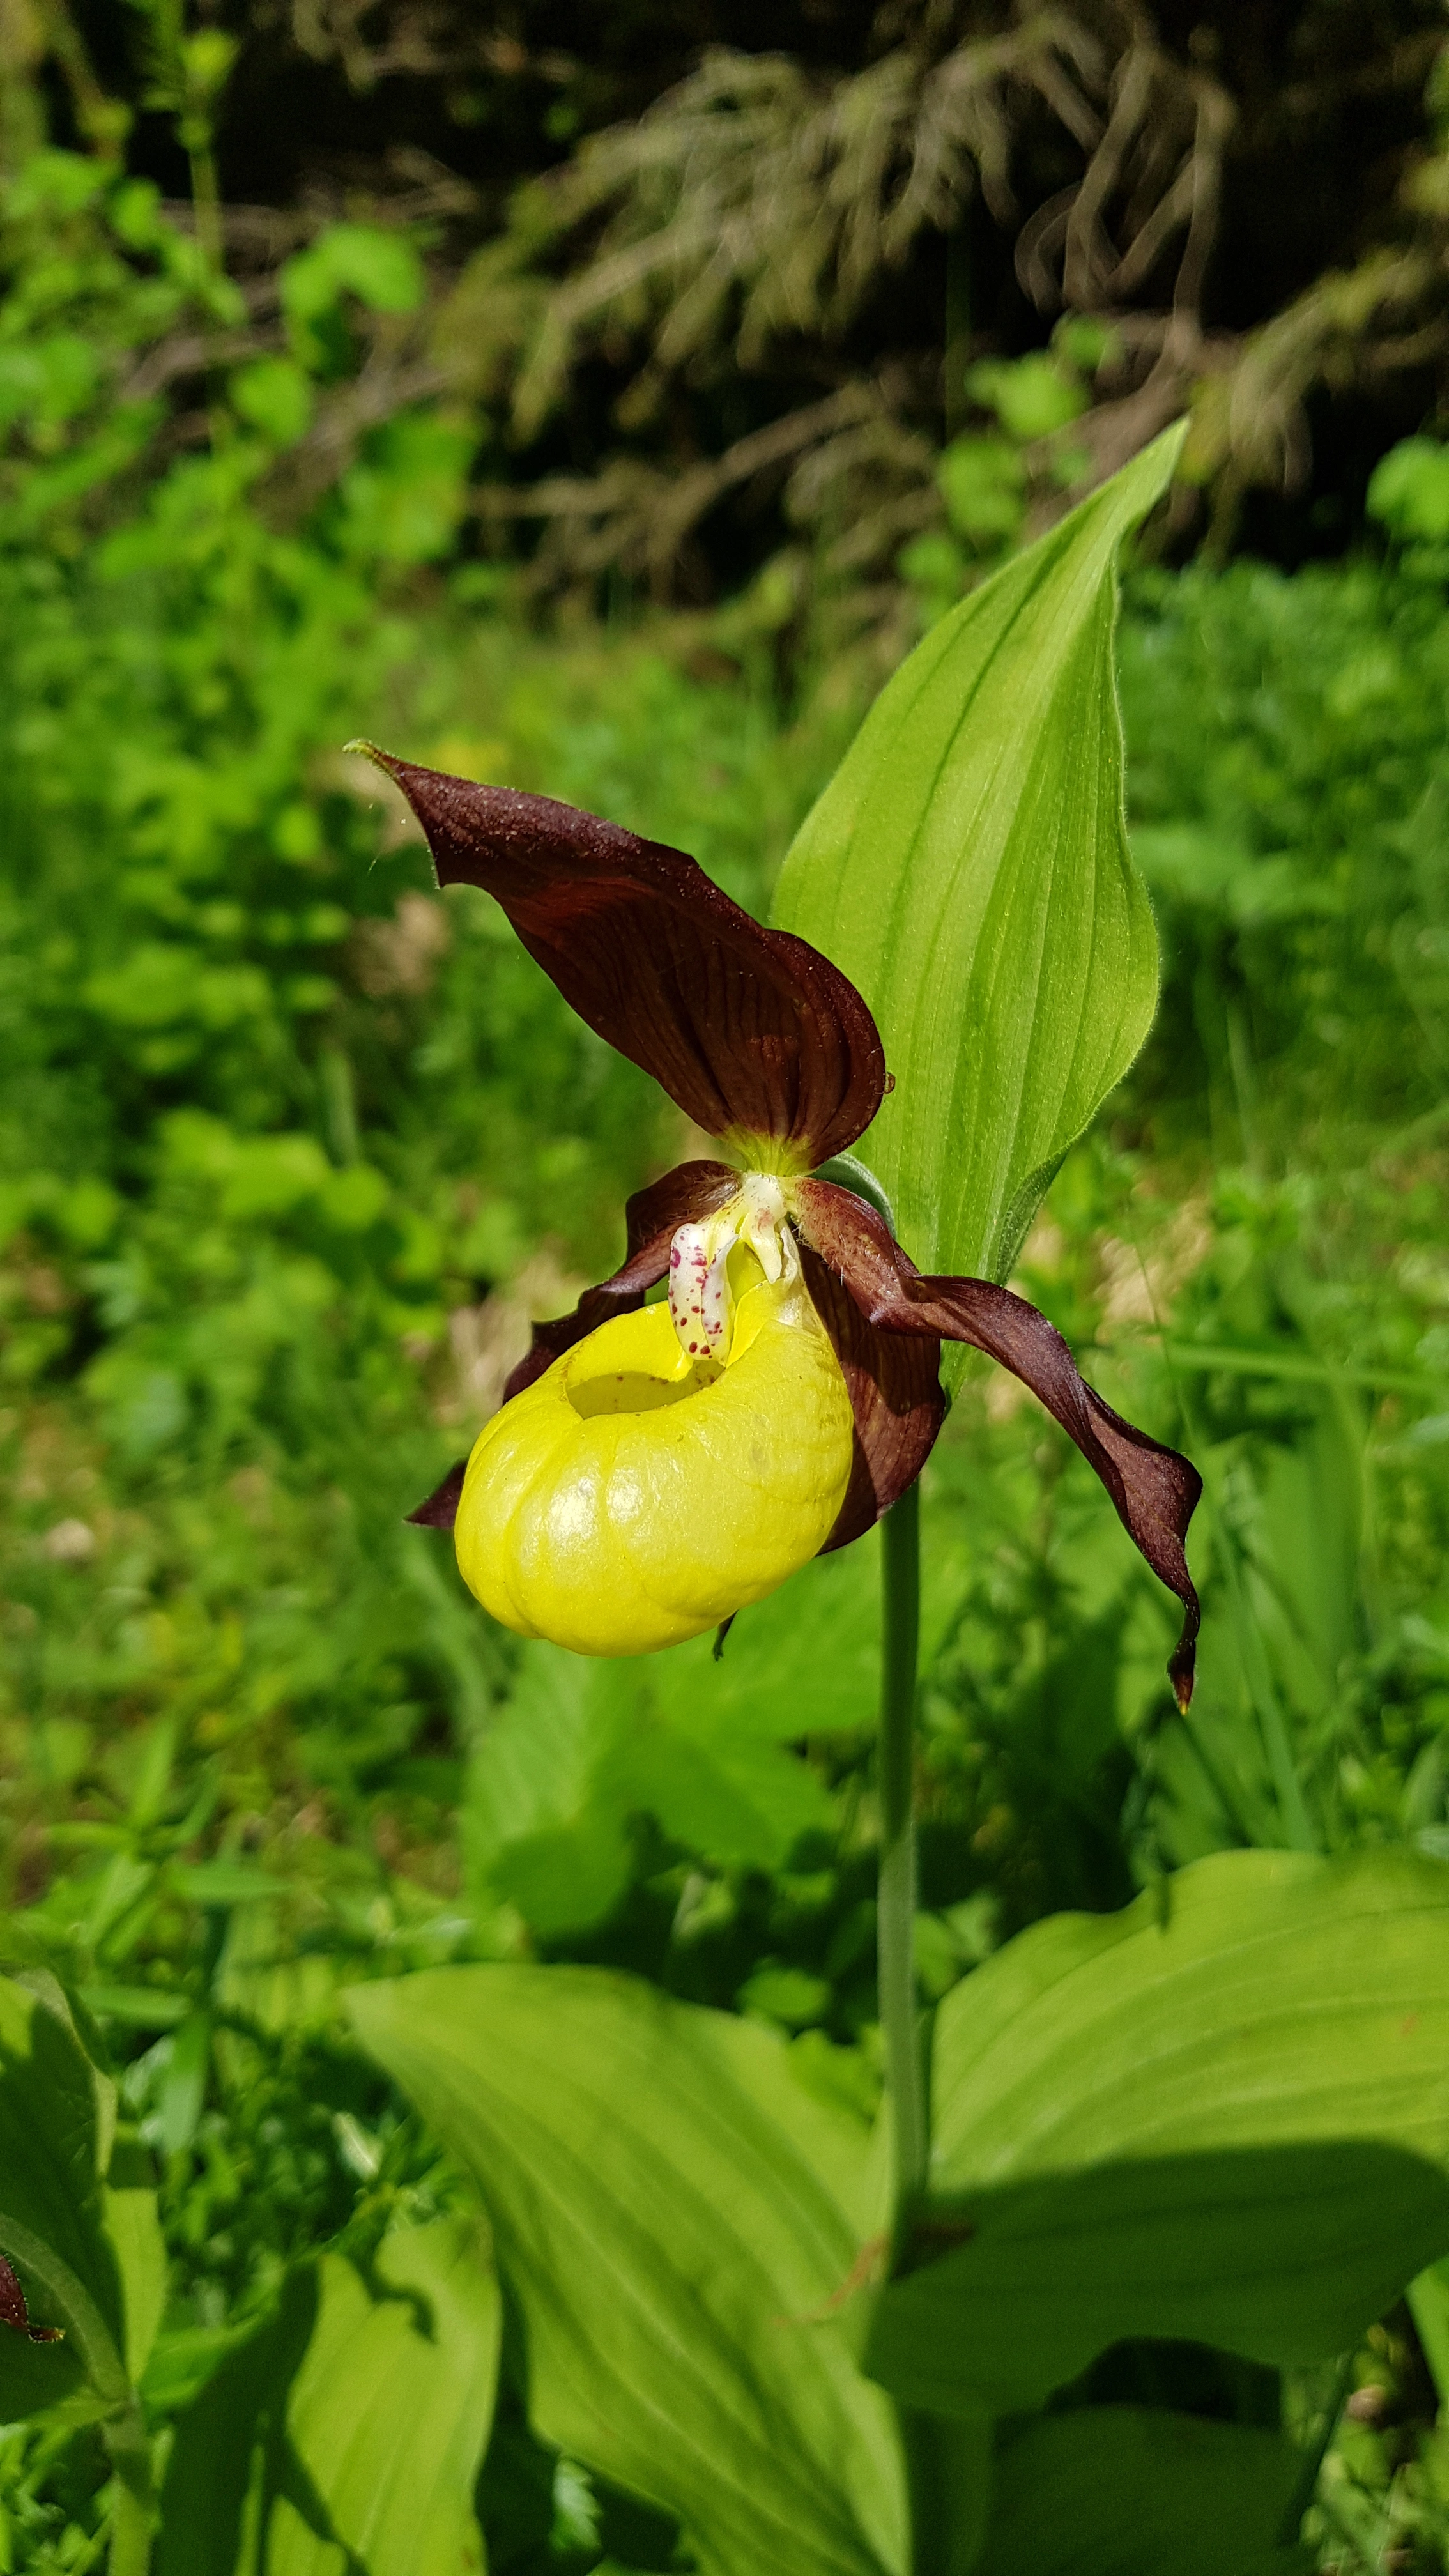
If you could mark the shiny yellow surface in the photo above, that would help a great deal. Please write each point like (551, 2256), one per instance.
(633, 1497)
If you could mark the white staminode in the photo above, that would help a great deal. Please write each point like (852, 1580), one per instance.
(701, 1301)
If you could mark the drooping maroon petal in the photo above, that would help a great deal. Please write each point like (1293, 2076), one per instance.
(441, 1508)
(1154, 1489)
(691, 1192)
(750, 1030)
(14, 2312)
(895, 1394)
(684, 1196)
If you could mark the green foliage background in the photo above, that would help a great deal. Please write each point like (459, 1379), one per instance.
(290, 1150)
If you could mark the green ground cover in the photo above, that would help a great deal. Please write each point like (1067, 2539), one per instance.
(291, 1148)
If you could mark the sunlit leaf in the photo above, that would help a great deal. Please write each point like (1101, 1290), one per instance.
(347, 2431)
(134, 2228)
(390, 2411)
(1221, 2115)
(56, 2120)
(216, 2483)
(968, 867)
(678, 2220)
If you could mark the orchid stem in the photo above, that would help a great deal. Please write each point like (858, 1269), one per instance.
(926, 2454)
(896, 1902)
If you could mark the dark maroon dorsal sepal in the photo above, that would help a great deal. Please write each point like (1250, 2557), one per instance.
(750, 1030)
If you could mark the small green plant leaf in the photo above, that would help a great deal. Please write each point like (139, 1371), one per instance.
(390, 2411)
(583, 1745)
(968, 867)
(348, 2430)
(222, 2463)
(1220, 2115)
(1128, 2491)
(678, 2220)
(134, 2228)
(56, 2124)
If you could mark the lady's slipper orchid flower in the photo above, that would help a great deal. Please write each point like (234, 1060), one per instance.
(653, 1469)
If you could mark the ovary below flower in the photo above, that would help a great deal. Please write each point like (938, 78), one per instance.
(638, 1493)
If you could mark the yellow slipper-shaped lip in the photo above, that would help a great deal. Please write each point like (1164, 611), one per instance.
(634, 1496)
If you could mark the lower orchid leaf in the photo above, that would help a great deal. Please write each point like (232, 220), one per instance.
(57, 2121)
(1220, 2115)
(679, 2222)
(37, 2378)
(1282, 2254)
(388, 2416)
(347, 2433)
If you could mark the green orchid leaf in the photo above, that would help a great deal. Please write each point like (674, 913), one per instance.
(349, 2429)
(215, 2494)
(1127, 2491)
(680, 2222)
(390, 2412)
(42, 2378)
(57, 2121)
(1220, 2115)
(968, 867)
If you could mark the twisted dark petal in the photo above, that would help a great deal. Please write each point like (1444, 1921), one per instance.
(13, 2310)
(750, 1030)
(689, 1193)
(1155, 1491)
(441, 1508)
(653, 1216)
(895, 1394)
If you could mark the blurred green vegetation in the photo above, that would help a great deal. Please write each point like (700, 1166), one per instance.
(291, 1149)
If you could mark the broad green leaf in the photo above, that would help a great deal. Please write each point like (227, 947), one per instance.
(968, 868)
(1222, 2115)
(678, 2220)
(390, 2411)
(1125, 2491)
(344, 2437)
(56, 2123)
(222, 2462)
(38, 2377)
(1285, 2255)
